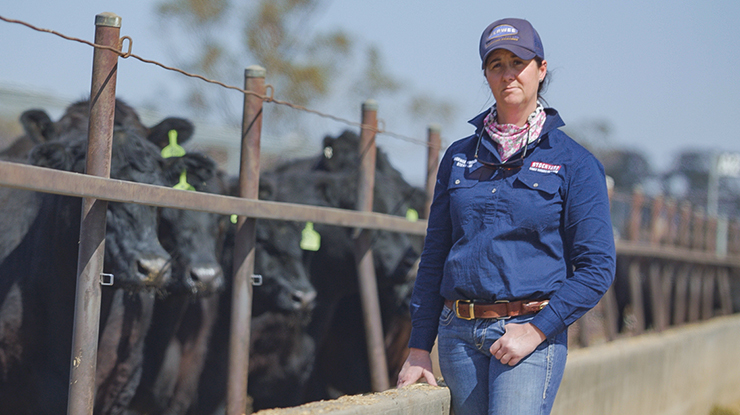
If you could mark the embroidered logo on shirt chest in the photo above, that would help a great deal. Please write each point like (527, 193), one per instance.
(541, 167)
(461, 162)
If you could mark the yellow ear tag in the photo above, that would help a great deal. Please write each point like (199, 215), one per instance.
(234, 219)
(173, 149)
(310, 239)
(412, 215)
(183, 184)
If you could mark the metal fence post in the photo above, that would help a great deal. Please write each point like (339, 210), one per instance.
(658, 274)
(364, 253)
(91, 252)
(434, 146)
(244, 243)
(635, 264)
(696, 278)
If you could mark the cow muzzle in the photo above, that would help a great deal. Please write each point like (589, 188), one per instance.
(153, 272)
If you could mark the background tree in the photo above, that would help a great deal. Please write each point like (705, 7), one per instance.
(330, 71)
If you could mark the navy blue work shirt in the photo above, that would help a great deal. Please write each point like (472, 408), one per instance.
(538, 230)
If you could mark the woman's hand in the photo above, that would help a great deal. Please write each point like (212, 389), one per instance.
(517, 343)
(416, 366)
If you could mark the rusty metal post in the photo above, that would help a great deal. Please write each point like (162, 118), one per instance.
(698, 236)
(707, 293)
(725, 291)
(680, 296)
(635, 264)
(710, 234)
(241, 307)
(364, 254)
(636, 294)
(671, 213)
(434, 146)
(658, 297)
(696, 278)
(658, 222)
(684, 226)
(635, 220)
(733, 238)
(610, 314)
(91, 251)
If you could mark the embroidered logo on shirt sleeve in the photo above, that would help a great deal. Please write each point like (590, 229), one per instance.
(541, 167)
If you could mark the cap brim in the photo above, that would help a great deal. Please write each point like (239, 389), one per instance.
(519, 51)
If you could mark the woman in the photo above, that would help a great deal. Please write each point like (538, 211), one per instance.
(519, 243)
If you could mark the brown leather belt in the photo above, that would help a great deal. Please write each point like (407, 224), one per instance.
(468, 310)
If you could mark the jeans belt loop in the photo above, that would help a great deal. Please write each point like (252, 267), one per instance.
(508, 310)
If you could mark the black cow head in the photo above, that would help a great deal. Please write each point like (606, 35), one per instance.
(194, 239)
(279, 260)
(132, 252)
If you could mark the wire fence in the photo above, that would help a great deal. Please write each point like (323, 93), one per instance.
(266, 98)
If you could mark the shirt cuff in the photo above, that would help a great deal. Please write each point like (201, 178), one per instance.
(422, 339)
(548, 322)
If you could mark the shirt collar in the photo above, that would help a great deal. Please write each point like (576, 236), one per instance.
(490, 153)
(553, 121)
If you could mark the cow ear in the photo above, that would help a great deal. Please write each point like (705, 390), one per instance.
(159, 134)
(37, 125)
(52, 155)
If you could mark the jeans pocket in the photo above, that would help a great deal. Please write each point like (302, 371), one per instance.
(446, 317)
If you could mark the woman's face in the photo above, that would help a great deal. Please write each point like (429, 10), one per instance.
(513, 80)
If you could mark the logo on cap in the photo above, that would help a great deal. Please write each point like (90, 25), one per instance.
(504, 31)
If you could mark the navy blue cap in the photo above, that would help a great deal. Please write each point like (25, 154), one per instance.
(515, 35)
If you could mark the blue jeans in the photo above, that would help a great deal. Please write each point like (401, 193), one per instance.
(480, 384)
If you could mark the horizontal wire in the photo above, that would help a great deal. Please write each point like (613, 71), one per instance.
(265, 98)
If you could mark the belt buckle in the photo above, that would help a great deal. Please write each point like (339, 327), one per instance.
(507, 309)
(471, 312)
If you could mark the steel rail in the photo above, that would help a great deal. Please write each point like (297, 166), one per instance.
(46, 180)
(677, 254)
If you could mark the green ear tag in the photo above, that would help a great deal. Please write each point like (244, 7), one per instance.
(183, 184)
(412, 215)
(173, 149)
(234, 218)
(310, 239)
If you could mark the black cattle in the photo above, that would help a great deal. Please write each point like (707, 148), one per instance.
(331, 179)
(22, 205)
(184, 317)
(72, 125)
(19, 208)
(37, 283)
(184, 333)
(75, 121)
(281, 353)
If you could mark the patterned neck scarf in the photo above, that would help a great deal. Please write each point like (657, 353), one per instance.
(509, 137)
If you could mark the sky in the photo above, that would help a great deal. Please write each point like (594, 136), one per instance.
(662, 74)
